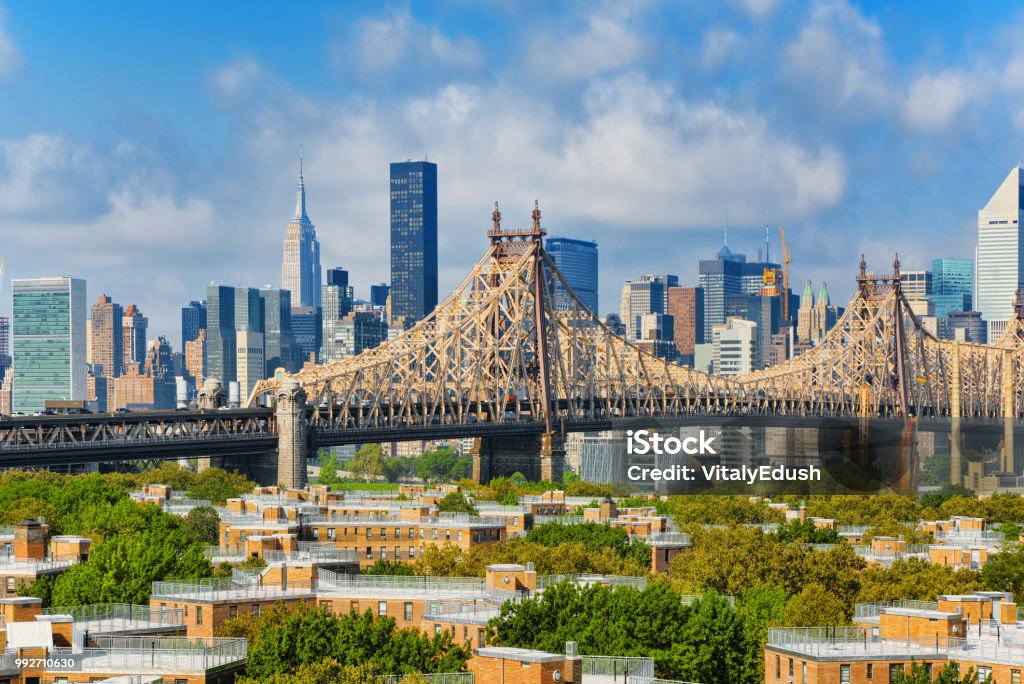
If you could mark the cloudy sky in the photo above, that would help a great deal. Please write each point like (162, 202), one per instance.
(151, 148)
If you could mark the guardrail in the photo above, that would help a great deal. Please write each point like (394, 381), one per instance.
(128, 612)
(640, 583)
(162, 654)
(873, 610)
(415, 584)
(216, 588)
(434, 678)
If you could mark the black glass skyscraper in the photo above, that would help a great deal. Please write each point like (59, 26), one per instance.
(413, 240)
(193, 319)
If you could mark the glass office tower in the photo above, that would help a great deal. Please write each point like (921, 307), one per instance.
(413, 240)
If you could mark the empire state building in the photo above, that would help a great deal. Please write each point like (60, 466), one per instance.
(300, 269)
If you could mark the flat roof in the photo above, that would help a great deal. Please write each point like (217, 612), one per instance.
(522, 655)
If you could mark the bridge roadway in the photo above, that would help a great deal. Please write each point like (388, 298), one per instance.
(251, 433)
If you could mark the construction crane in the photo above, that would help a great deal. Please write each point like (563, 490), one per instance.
(787, 259)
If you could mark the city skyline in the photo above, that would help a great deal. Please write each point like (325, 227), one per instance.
(212, 185)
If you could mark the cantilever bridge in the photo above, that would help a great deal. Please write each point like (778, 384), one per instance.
(497, 360)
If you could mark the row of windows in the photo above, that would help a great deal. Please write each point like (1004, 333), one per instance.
(845, 674)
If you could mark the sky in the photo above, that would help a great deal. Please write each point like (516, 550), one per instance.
(152, 148)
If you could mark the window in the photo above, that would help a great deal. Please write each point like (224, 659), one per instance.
(479, 637)
(1015, 677)
(383, 533)
(844, 674)
(369, 552)
(368, 532)
(199, 615)
(894, 672)
(316, 533)
(871, 671)
(412, 552)
(408, 611)
(790, 671)
(437, 629)
(984, 672)
(412, 533)
(382, 608)
(803, 673)
(383, 552)
(255, 610)
(11, 588)
(778, 667)
(330, 533)
(354, 607)
(233, 611)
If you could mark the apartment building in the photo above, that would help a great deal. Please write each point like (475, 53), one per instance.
(28, 553)
(109, 643)
(982, 631)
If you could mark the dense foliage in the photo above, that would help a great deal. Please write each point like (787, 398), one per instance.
(593, 537)
(456, 502)
(286, 640)
(133, 544)
(950, 674)
(706, 641)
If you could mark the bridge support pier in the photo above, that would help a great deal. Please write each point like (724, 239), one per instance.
(537, 457)
(211, 397)
(292, 435)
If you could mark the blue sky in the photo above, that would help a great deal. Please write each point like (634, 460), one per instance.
(151, 147)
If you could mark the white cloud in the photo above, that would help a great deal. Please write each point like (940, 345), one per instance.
(605, 43)
(45, 175)
(234, 78)
(755, 8)
(934, 100)
(838, 62)
(10, 55)
(719, 45)
(379, 44)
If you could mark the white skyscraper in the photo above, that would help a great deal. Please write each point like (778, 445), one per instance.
(300, 269)
(1000, 256)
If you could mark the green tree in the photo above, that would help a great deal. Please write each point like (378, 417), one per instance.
(123, 568)
(593, 536)
(219, 485)
(383, 566)
(203, 524)
(455, 502)
(950, 674)
(815, 606)
(807, 532)
(439, 466)
(759, 608)
(366, 465)
(1005, 572)
(915, 579)
(328, 468)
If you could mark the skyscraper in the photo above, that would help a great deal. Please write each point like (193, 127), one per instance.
(952, 290)
(107, 338)
(300, 268)
(576, 260)
(48, 325)
(133, 329)
(193, 319)
(307, 329)
(640, 297)
(413, 240)
(5, 346)
(686, 307)
(337, 299)
(231, 310)
(719, 277)
(916, 284)
(379, 294)
(278, 340)
(1000, 253)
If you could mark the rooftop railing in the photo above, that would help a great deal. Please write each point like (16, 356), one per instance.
(873, 610)
(323, 553)
(220, 588)
(121, 613)
(563, 519)
(668, 538)
(143, 655)
(7, 663)
(545, 581)
(330, 580)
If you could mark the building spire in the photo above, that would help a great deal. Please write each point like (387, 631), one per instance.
(300, 199)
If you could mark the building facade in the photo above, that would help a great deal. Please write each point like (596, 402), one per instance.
(576, 260)
(300, 268)
(413, 240)
(640, 297)
(686, 307)
(279, 348)
(48, 341)
(193, 319)
(107, 339)
(734, 347)
(1000, 253)
(719, 277)
(133, 331)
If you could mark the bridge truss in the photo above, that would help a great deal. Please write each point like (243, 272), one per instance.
(499, 351)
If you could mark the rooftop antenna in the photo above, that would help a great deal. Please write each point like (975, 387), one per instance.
(726, 227)
(300, 160)
(767, 246)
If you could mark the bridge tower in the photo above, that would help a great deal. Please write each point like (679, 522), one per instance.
(535, 456)
(292, 434)
(210, 398)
